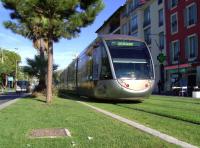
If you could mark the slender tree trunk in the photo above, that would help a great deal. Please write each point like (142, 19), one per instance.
(43, 71)
(49, 71)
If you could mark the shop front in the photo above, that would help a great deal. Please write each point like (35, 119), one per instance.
(181, 76)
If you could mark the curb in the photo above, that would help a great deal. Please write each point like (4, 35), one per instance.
(143, 128)
(6, 104)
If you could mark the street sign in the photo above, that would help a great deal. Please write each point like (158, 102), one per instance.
(161, 58)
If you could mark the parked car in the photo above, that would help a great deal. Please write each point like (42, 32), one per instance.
(22, 86)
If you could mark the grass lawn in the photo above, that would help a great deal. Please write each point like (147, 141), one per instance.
(17, 120)
(175, 116)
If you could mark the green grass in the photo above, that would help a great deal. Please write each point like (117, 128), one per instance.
(17, 120)
(175, 116)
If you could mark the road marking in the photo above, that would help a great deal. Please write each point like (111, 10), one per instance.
(143, 128)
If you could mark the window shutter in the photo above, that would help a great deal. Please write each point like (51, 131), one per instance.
(195, 13)
(171, 53)
(186, 49)
(178, 46)
(185, 17)
(196, 45)
(179, 52)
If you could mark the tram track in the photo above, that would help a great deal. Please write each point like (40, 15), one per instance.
(177, 107)
(161, 114)
(177, 101)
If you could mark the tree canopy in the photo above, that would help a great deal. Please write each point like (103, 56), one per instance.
(37, 67)
(8, 61)
(49, 21)
(52, 19)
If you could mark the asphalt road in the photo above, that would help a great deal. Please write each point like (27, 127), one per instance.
(9, 96)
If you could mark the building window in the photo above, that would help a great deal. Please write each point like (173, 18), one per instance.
(191, 47)
(147, 19)
(135, 3)
(173, 3)
(175, 51)
(161, 40)
(174, 23)
(159, 2)
(161, 19)
(190, 15)
(130, 7)
(147, 34)
(134, 24)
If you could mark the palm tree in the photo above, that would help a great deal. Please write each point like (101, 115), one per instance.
(51, 20)
(37, 67)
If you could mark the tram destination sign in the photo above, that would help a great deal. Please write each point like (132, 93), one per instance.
(125, 43)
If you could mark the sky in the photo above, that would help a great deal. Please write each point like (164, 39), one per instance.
(65, 50)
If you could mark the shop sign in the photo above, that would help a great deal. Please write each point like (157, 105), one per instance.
(182, 70)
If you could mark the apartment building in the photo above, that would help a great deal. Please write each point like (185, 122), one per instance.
(145, 19)
(182, 42)
(112, 24)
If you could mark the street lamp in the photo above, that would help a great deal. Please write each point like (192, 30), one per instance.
(16, 66)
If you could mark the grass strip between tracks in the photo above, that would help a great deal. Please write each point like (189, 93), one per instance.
(17, 120)
(176, 121)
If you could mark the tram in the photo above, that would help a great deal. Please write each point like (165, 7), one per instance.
(112, 67)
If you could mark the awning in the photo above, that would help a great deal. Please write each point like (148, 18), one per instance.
(177, 66)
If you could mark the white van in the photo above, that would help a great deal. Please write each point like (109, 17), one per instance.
(22, 86)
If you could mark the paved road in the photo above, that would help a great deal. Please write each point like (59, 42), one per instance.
(9, 96)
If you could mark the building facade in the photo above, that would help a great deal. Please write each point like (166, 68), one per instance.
(112, 24)
(144, 19)
(182, 42)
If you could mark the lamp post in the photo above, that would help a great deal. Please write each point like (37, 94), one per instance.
(16, 66)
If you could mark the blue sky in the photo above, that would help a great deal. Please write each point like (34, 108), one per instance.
(65, 49)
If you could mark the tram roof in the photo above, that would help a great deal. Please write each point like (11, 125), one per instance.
(119, 36)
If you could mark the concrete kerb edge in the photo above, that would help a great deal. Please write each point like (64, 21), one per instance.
(6, 104)
(143, 128)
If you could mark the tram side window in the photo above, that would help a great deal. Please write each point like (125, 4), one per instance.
(96, 63)
(105, 68)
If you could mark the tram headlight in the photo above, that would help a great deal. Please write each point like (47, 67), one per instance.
(124, 84)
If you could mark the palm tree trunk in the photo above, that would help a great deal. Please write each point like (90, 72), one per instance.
(49, 72)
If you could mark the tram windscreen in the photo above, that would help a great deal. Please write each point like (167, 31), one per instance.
(131, 59)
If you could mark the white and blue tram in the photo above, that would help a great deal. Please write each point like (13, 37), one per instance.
(112, 67)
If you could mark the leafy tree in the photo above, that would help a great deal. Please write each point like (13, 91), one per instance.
(51, 20)
(8, 64)
(37, 67)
